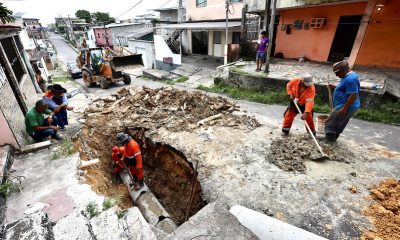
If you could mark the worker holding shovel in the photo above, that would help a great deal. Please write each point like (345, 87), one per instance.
(132, 157)
(346, 101)
(303, 90)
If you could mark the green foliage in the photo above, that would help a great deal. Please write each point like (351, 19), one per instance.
(272, 97)
(63, 78)
(102, 17)
(387, 112)
(6, 14)
(6, 188)
(121, 213)
(84, 14)
(111, 202)
(92, 209)
(67, 148)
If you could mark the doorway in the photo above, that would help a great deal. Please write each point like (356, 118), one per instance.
(200, 42)
(345, 36)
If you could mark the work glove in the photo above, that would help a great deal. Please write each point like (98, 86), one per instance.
(305, 115)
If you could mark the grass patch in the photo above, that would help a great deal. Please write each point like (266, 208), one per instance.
(92, 209)
(66, 149)
(6, 189)
(121, 213)
(249, 94)
(174, 81)
(111, 202)
(62, 79)
(387, 112)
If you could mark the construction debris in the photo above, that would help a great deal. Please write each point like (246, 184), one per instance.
(144, 112)
(291, 153)
(384, 213)
(171, 108)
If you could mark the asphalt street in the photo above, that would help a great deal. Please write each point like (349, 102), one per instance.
(361, 132)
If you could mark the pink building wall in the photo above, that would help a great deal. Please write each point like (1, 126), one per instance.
(100, 35)
(6, 136)
(214, 9)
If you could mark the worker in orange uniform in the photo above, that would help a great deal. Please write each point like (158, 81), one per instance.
(303, 90)
(133, 157)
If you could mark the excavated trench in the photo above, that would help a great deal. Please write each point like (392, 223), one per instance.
(168, 173)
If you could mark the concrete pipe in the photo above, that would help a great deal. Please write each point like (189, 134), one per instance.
(149, 206)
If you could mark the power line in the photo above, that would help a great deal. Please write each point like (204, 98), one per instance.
(130, 8)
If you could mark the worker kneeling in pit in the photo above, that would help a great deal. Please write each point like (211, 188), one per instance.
(303, 91)
(129, 157)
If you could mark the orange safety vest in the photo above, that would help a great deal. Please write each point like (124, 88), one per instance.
(132, 149)
(304, 98)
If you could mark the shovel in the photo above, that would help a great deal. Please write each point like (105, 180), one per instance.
(323, 156)
(330, 95)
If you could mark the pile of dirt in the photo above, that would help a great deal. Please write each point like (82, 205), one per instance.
(385, 212)
(290, 153)
(171, 108)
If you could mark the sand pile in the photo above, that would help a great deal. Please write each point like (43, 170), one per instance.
(385, 212)
(292, 152)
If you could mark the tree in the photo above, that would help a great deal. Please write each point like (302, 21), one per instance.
(84, 14)
(102, 17)
(6, 14)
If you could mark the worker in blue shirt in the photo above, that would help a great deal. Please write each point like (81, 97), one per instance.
(346, 101)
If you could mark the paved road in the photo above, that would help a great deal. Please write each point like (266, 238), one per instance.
(64, 51)
(359, 131)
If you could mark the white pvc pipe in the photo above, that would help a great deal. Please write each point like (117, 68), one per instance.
(269, 228)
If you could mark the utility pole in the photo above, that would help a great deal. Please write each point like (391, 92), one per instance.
(227, 3)
(271, 34)
(180, 20)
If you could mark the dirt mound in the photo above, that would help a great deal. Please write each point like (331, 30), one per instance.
(171, 108)
(385, 212)
(291, 153)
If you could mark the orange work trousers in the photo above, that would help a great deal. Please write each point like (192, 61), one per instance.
(289, 117)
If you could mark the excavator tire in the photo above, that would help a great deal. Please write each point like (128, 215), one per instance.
(127, 78)
(103, 83)
(88, 79)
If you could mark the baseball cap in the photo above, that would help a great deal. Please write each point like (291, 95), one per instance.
(307, 79)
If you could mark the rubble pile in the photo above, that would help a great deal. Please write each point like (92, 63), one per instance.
(384, 213)
(171, 108)
(291, 153)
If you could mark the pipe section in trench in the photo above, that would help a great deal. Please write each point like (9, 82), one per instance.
(149, 206)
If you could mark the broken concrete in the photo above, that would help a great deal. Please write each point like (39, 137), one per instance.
(214, 221)
(35, 226)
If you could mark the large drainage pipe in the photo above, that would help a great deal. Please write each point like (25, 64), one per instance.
(149, 206)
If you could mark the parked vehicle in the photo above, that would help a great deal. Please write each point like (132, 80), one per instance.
(74, 70)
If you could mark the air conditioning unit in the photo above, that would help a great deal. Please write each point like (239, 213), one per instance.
(317, 23)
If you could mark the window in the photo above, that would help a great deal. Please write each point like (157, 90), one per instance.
(236, 1)
(12, 58)
(236, 37)
(201, 3)
(217, 38)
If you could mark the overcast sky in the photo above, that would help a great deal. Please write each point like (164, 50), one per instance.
(46, 10)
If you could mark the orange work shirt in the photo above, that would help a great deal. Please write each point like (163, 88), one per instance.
(132, 149)
(305, 96)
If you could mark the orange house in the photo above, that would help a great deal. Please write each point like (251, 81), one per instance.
(365, 32)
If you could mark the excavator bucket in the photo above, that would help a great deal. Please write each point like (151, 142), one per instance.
(124, 63)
